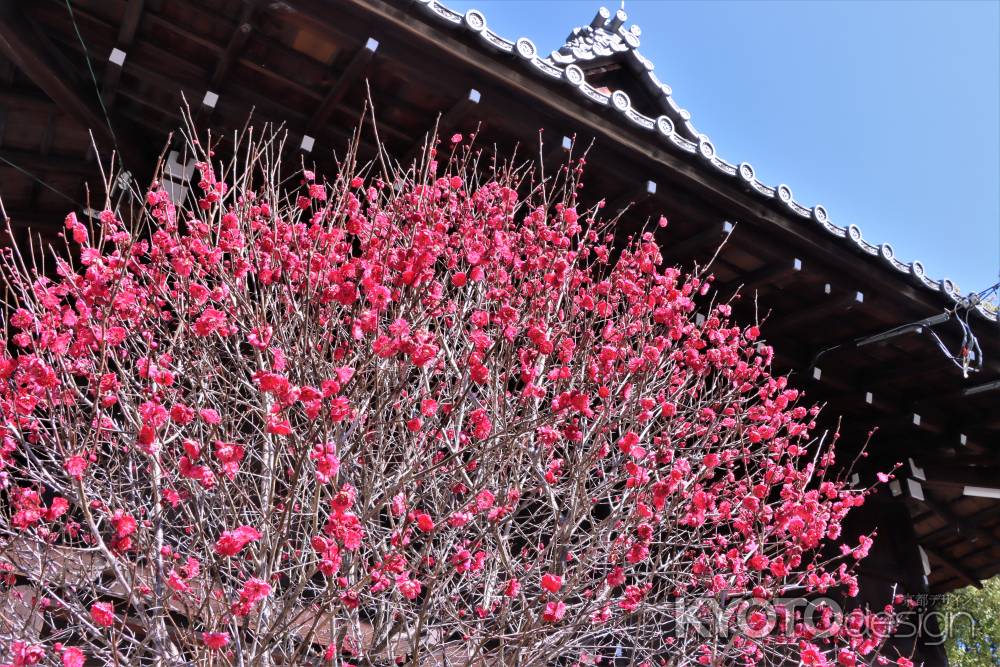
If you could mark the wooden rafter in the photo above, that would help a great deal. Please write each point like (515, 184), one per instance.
(829, 305)
(450, 120)
(958, 477)
(126, 34)
(960, 525)
(554, 154)
(33, 161)
(979, 519)
(899, 424)
(962, 573)
(21, 43)
(766, 275)
(352, 73)
(896, 372)
(25, 100)
(129, 25)
(633, 196)
(237, 42)
(43, 152)
(699, 244)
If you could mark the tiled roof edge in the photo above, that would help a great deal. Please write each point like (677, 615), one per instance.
(685, 138)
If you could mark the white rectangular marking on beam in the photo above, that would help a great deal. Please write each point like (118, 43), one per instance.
(917, 471)
(117, 57)
(924, 561)
(896, 487)
(916, 419)
(475, 96)
(727, 227)
(371, 44)
(817, 373)
(650, 187)
(981, 492)
(210, 99)
(796, 264)
(869, 397)
(178, 171)
(979, 389)
(914, 488)
(308, 143)
(176, 191)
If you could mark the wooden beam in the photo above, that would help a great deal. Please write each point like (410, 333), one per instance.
(898, 371)
(130, 22)
(989, 386)
(20, 42)
(957, 569)
(43, 151)
(50, 221)
(19, 99)
(632, 196)
(237, 42)
(977, 387)
(182, 77)
(449, 121)
(961, 526)
(352, 73)
(978, 519)
(767, 274)
(695, 246)
(903, 420)
(957, 477)
(116, 59)
(296, 60)
(151, 62)
(557, 153)
(991, 458)
(898, 427)
(112, 76)
(459, 112)
(828, 306)
(32, 161)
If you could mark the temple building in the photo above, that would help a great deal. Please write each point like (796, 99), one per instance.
(873, 336)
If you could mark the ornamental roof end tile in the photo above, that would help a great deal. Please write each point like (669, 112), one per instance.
(607, 37)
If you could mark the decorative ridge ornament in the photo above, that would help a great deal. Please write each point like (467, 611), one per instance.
(605, 37)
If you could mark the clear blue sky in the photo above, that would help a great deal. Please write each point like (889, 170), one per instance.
(887, 113)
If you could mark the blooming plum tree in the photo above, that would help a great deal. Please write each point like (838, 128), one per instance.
(432, 416)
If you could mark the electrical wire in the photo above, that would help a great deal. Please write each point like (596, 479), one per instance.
(989, 291)
(97, 86)
(970, 355)
(41, 182)
(969, 358)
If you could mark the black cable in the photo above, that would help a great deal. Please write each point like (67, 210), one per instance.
(41, 182)
(970, 356)
(97, 86)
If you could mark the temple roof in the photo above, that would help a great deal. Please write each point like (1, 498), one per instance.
(608, 39)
